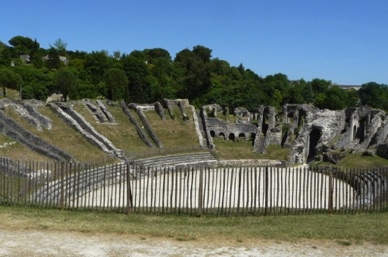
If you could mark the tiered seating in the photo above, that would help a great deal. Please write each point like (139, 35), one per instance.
(86, 181)
(179, 160)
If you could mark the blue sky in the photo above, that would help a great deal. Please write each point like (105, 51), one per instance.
(343, 41)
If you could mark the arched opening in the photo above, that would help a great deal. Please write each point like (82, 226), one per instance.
(360, 134)
(231, 137)
(264, 125)
(241, 135)
(290, 117)
(252, 138)
(302, 117)
(212, 133)
(222, 135)
(315, 135)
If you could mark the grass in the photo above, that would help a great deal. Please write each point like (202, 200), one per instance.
(227, 150)
(344, 229)
(174, 132)
(122, 133)
(17, 151)
(62, 136)
(357, 161)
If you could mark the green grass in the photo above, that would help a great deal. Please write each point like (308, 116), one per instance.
(17, 151)
(174, 132)
(348, 229)
(62, 136)
(357, 161)
(122, 133)
(243, 149)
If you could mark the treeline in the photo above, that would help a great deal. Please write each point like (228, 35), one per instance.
(152, 74)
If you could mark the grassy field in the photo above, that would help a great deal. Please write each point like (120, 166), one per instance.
(345, 229)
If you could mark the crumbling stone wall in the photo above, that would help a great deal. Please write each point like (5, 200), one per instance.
(75, 120)
(13, 130)
(140, 132)
(139, 111)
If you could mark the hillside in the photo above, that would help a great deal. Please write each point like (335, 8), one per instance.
(102, 131)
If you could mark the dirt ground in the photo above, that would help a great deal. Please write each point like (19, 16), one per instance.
(51, 243)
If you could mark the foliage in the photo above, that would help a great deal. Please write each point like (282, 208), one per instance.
(152, 74)
(66, 82)
(116, 82)
(9, 79)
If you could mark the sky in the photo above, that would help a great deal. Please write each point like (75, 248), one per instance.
(344, 41)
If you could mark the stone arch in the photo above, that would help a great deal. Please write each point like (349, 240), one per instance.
(232, 137)
(315, 136)
(242, 135)
(212, 133)
(222, 135)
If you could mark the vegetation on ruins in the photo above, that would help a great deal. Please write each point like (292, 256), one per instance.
(153, 74)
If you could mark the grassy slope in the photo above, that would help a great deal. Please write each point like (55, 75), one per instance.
(122, 133)
(174, 132)
(17, 151)
(62, 136)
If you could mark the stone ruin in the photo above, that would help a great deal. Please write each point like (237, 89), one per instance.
(310, 133)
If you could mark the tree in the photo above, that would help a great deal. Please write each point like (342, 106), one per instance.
(196, 65)
(116, 82)
(22, 45)
(53, 62)
(5, 56)
(9, 79)
(374, 95)
(138, 79)
(36, 82)
(66, 82)
(60, 45)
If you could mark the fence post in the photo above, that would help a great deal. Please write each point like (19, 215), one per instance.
(129, 192)
(266, 191)
(331, 190)
(62, 199)
(200, 192)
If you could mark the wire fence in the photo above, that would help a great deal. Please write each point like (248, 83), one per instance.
(197, 190)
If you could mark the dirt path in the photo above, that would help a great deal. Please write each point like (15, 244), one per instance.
(48, 243)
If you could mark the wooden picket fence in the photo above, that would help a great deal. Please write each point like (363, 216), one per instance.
(199, 190)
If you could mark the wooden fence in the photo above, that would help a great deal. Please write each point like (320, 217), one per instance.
(218, 191)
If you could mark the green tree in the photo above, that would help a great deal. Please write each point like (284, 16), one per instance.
(95, 65)
(66, 82)
(9, 79)
(116, 82)
(21, 45)
(196, 65)
(374, 95)
(138, 78)
(60, 45)
(52, 61)
(36, 82)
(5, 56)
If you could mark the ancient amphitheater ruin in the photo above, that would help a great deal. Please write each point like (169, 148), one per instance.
(188, 176)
